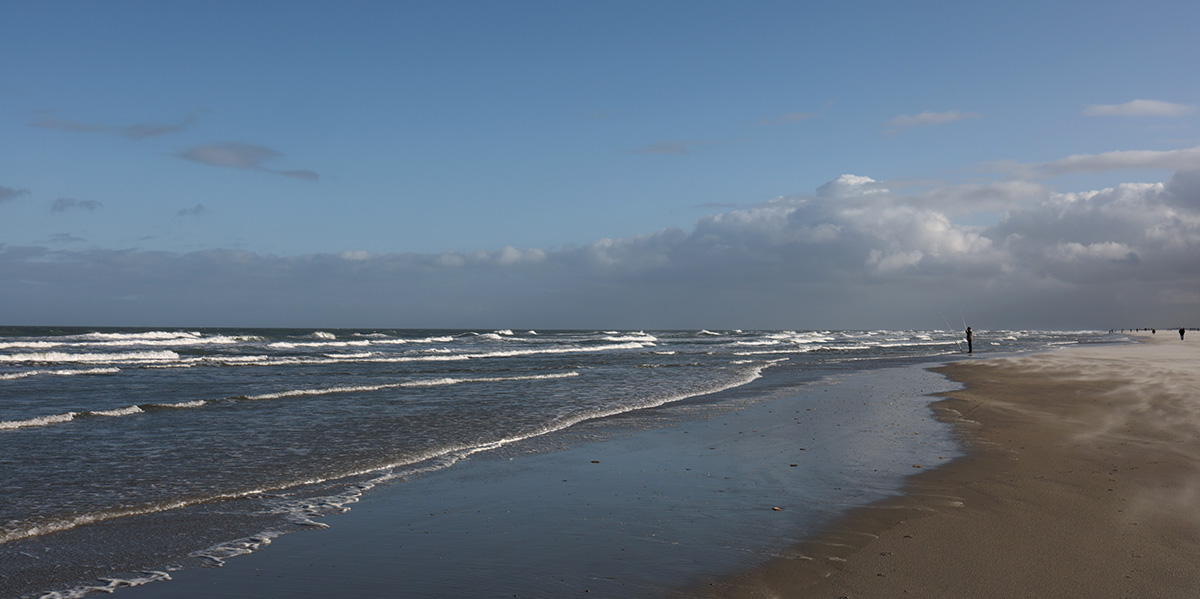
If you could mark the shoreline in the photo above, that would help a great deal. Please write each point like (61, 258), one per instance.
(1081, 479)
(635, 514)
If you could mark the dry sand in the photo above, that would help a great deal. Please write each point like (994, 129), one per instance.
(1082, 480)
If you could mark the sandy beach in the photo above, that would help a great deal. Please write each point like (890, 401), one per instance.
(1082, 480)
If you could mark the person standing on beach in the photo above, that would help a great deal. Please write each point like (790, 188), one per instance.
(1181, 333)
(971, 337)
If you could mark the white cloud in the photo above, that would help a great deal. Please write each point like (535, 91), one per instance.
(927, 119)
(242, 156)
(1185, 159)
(854, 255)
(1139, 108)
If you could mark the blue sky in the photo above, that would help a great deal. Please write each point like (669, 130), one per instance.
(636, 165)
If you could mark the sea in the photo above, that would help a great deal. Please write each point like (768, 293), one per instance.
(129, 455)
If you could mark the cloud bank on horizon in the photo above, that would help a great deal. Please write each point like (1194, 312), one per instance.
(854, 254)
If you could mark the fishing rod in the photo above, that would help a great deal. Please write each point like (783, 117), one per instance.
(964, 319)
(948, 328)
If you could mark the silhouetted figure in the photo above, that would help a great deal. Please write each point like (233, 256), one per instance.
(971, 337)
(1181, 333)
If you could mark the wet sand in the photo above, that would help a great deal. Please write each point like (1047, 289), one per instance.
(1082, 480)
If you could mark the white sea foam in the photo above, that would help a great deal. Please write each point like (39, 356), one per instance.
(351, 356)
(419, 383)
(57, 525)
(223, 551)
(20, 375)
(180, 404)
(110, 585)
(68, 417)
(639, 336)
(322, 335)
(30, 344)
(142, 356)
(174, 342)
(312, 344)
(767, 352)
(38, 421)
(126, 411)
(144, 335)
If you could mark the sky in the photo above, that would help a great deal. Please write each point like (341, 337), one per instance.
(633, 165)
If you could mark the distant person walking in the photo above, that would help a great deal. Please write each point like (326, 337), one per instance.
(1181, 333)
(971, 337)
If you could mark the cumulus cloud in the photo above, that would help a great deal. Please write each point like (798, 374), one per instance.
(8, 193)
(135, 131)
(927, 119)
(855, 254)
(65, 204)
(1139, 108)
(242, 156)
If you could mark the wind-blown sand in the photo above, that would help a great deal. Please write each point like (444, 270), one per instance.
(1082, 480)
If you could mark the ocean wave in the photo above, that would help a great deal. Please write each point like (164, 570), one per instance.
(424, 355)
(174, 406)
(639, 337)
(52, 357)
(125, 411)
(315, 344)
(172, 342)
(30, 344)
(20, 375)
(68, 417)
(142, 335)
(143, 408)
(769, 352)
(15, 531)
(7, 425)
(438, 382)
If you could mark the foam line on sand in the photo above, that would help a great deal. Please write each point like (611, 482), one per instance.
(1082, 479)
